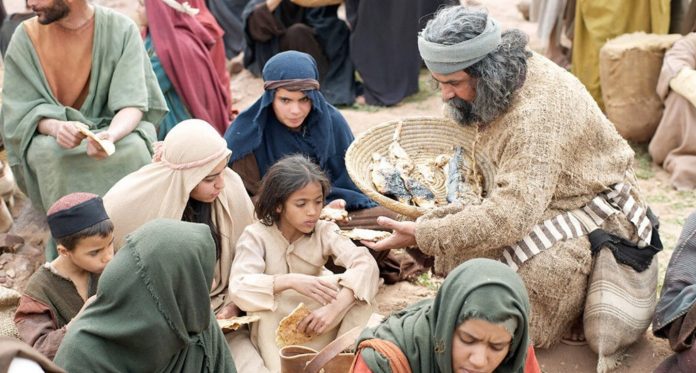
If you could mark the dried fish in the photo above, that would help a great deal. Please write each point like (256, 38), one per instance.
(387, 179)
(421, 194)
(398, 156)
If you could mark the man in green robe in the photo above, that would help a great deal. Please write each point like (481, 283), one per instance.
(76, 62)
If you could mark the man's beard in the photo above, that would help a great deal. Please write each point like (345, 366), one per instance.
(57, 11)
(461, 111)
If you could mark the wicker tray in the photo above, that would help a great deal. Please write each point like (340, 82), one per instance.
(423, 139)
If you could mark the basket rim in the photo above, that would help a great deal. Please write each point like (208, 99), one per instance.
(411, 211)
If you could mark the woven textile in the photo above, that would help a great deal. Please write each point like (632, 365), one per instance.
(9, 299)
(580, 222)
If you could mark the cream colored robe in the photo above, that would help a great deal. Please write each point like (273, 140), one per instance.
(674, 144)
(553, 151)
(263, 252)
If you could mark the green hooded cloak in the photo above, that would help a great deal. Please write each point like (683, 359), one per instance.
(152, 312)
(121, 77)
(477, 289)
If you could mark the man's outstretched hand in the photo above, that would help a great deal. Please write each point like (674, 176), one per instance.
(403, 235)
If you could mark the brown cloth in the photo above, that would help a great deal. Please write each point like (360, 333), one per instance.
(11, 348)
(49, 302)
(66, 58)
(674, 144)
(398, 362)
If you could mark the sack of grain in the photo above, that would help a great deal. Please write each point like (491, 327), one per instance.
(629, 66)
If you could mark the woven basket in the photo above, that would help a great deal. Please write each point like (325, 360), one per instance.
(423, 139)
(316, 3)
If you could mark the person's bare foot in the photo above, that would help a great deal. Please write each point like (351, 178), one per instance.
(575, 336)
(360, 100)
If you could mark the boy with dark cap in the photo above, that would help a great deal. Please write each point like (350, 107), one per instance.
(61, 289)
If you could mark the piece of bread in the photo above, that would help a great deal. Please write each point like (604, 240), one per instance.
(232, 324)
(360, 234)
(287, 332)
(107, 145)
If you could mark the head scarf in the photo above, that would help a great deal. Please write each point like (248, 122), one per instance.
(258, 127)
(188, 154)
(152, 312)
(447, 59)
(183, 46)
(477, 289)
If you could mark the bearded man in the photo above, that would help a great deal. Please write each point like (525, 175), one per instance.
(77, 64)
(555, 155)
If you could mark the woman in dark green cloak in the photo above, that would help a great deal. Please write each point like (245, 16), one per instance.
(152, 310)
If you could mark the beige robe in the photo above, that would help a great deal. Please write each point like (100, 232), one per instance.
(553, 151)
(263, 252)
(674, 144)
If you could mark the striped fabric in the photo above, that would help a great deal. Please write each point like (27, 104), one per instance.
(580, 222)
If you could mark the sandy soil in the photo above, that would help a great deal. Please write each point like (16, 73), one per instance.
(671, 206)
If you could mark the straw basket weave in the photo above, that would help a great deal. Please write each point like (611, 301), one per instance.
(316, 3)
(423, 139)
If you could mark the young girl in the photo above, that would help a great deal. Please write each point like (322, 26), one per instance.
(280, 259)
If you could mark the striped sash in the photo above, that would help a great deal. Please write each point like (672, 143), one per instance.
(580, 222)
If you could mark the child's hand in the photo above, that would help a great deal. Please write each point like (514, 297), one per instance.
(228, 312)
(319, 289)
(319, 320)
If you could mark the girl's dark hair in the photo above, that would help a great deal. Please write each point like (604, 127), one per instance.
(285, 177)
(202, 212)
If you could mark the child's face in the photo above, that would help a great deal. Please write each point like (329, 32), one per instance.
(291, 107)
(210, 187)
(301, 210)
(91, 253)
(479, 346)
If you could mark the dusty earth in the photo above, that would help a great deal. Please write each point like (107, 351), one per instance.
(670, 205)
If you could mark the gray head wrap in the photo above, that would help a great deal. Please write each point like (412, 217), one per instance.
(446, 59)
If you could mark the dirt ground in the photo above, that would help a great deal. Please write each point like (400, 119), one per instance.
(671, 206)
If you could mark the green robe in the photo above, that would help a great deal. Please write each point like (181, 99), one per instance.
(477, 289)
(152, 312)
(121, 77)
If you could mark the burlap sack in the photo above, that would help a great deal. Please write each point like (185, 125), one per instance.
(9, 299)
(619, 307)
(629, 66)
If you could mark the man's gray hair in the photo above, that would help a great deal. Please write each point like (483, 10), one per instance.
(499, 74)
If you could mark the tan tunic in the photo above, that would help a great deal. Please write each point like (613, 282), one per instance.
(263, 252)
(674, 144)
(553, 151)
(66, 58)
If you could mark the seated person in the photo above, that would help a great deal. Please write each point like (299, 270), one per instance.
(18, 357)
(675, 314)
(478, 322)
(228, 14)
(274, 26)
(280, 261)
(176, 39)
(77, 63)
(58, 291)
(293, 117)
(674, 144)
(152, 311)
(189, 180)
(384, 45)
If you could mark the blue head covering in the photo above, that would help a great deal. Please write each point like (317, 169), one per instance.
(324, 136)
